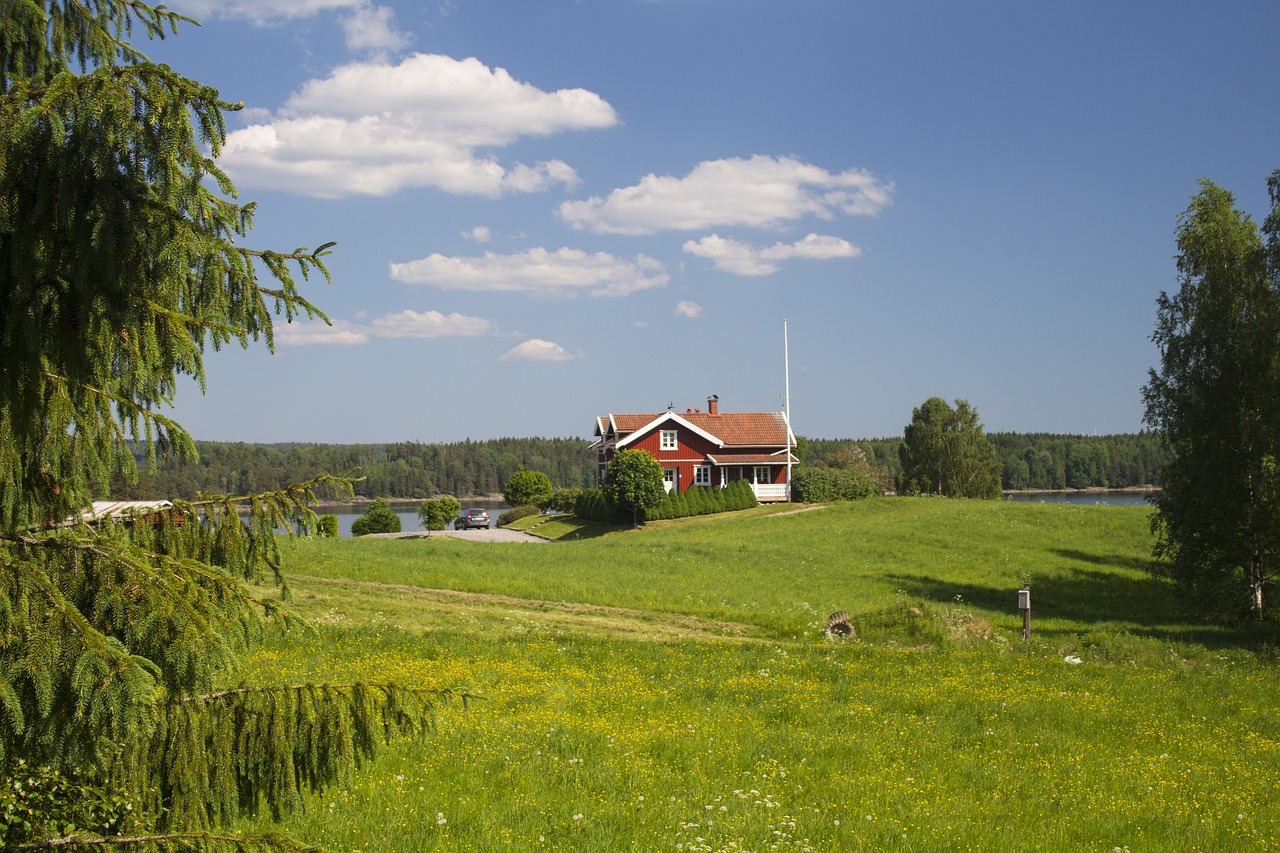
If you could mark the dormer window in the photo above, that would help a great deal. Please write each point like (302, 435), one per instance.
(668, 440)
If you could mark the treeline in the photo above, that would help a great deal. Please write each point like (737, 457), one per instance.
(405, 470)
(1035, 460)
(415, 471)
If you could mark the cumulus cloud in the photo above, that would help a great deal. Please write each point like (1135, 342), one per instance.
(430, 324)
(742, 258)
(371, 29)
(262, 12)
(306, 333)
(536, 349)
(373, 128)
(685, 308)
(481, 234)
(405, 324)
(538, 272)
(760, 191)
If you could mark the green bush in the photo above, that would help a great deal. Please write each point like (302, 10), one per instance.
(591, 506)
(38, 803)
(526, 488)
(562, 500)
(378, 518)
(436, 514)
(516, 513)
(704, 500)
(821, 485)
(327, 526)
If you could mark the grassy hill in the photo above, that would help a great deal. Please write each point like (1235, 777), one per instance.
(670, 688)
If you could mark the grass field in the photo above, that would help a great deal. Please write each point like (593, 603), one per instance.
(670, 688)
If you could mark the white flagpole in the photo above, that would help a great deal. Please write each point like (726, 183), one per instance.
(786, 369)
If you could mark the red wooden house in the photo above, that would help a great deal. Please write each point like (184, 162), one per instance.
(711, 448)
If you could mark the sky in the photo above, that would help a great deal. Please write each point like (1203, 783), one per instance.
(548, 211)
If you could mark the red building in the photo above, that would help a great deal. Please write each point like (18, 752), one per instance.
(711, 448)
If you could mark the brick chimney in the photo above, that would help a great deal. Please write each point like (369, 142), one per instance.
(713, 405)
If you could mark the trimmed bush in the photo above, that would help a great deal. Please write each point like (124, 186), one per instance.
(327, 526)
(516, 513)
(378, 518)
(436, 514)
(562, 500)
(526, 488)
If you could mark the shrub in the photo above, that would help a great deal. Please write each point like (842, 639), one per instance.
(436, 514)
(527, 487)
(327, 526)
(562, 500)
(818, 485)
(592, 506)
(378, 518)
(516, 513)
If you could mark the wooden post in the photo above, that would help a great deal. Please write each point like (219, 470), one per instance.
(1024, 604)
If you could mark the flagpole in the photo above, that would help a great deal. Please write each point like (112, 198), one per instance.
(786, 369)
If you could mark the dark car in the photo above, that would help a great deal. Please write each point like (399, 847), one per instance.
(472, 518)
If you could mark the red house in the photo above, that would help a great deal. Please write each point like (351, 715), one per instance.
(711, 448)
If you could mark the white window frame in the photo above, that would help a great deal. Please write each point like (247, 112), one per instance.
(670, 479)
(702, 475)
(667, 440)
(766, 479)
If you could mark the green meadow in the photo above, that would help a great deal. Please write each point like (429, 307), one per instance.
(671, 689)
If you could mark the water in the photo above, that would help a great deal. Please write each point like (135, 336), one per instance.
(406, 510)
(1100, 498)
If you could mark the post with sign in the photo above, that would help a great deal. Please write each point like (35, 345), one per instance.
(1024, 604)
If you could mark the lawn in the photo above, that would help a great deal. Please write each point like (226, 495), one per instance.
(670, 688)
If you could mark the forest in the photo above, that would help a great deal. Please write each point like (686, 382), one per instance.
(415, 470)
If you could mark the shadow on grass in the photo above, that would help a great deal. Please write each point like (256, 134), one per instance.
(1092, 597)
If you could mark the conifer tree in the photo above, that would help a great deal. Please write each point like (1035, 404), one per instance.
(122, 260)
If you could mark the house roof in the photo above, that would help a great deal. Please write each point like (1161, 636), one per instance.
(121, 509)
(731, 458)
(728, 429)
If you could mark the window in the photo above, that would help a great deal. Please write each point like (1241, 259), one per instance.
(668, 441)
(762, 474)
(668, 478)
(702, 475)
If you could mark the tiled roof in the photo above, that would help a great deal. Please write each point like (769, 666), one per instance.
(729, 457)
(735, 429)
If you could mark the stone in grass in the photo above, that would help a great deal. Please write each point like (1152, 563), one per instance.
(838, 625)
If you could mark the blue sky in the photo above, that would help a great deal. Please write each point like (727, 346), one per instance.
(551, 210)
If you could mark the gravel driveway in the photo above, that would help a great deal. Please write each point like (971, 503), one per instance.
(491, 534)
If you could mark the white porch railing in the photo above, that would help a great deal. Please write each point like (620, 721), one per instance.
(769, 491)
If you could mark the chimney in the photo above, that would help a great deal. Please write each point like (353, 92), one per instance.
(713, 405)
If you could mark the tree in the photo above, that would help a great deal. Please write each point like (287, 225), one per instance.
(1214, 400)
(436, 514)
(944, 452)
(633, 482)
(122, 259)
(378, 518)
(527, 488)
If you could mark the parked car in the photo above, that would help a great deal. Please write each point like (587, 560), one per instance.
(472, 518)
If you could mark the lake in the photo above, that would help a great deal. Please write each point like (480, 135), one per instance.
(406, 510)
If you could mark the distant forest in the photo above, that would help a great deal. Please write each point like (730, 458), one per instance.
(1040, 460)
(412, 471)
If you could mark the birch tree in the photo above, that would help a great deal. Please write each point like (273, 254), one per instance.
(1214, 399)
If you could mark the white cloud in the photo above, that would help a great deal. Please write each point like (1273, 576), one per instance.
(261, 12)
(760, 191)
(536, 349)
(431, 324)
(405, 324)
(742, 258)
(481, 234)
(372, 128)
(537, 272)
(371, 29)
(685, 308)
(305, 333)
